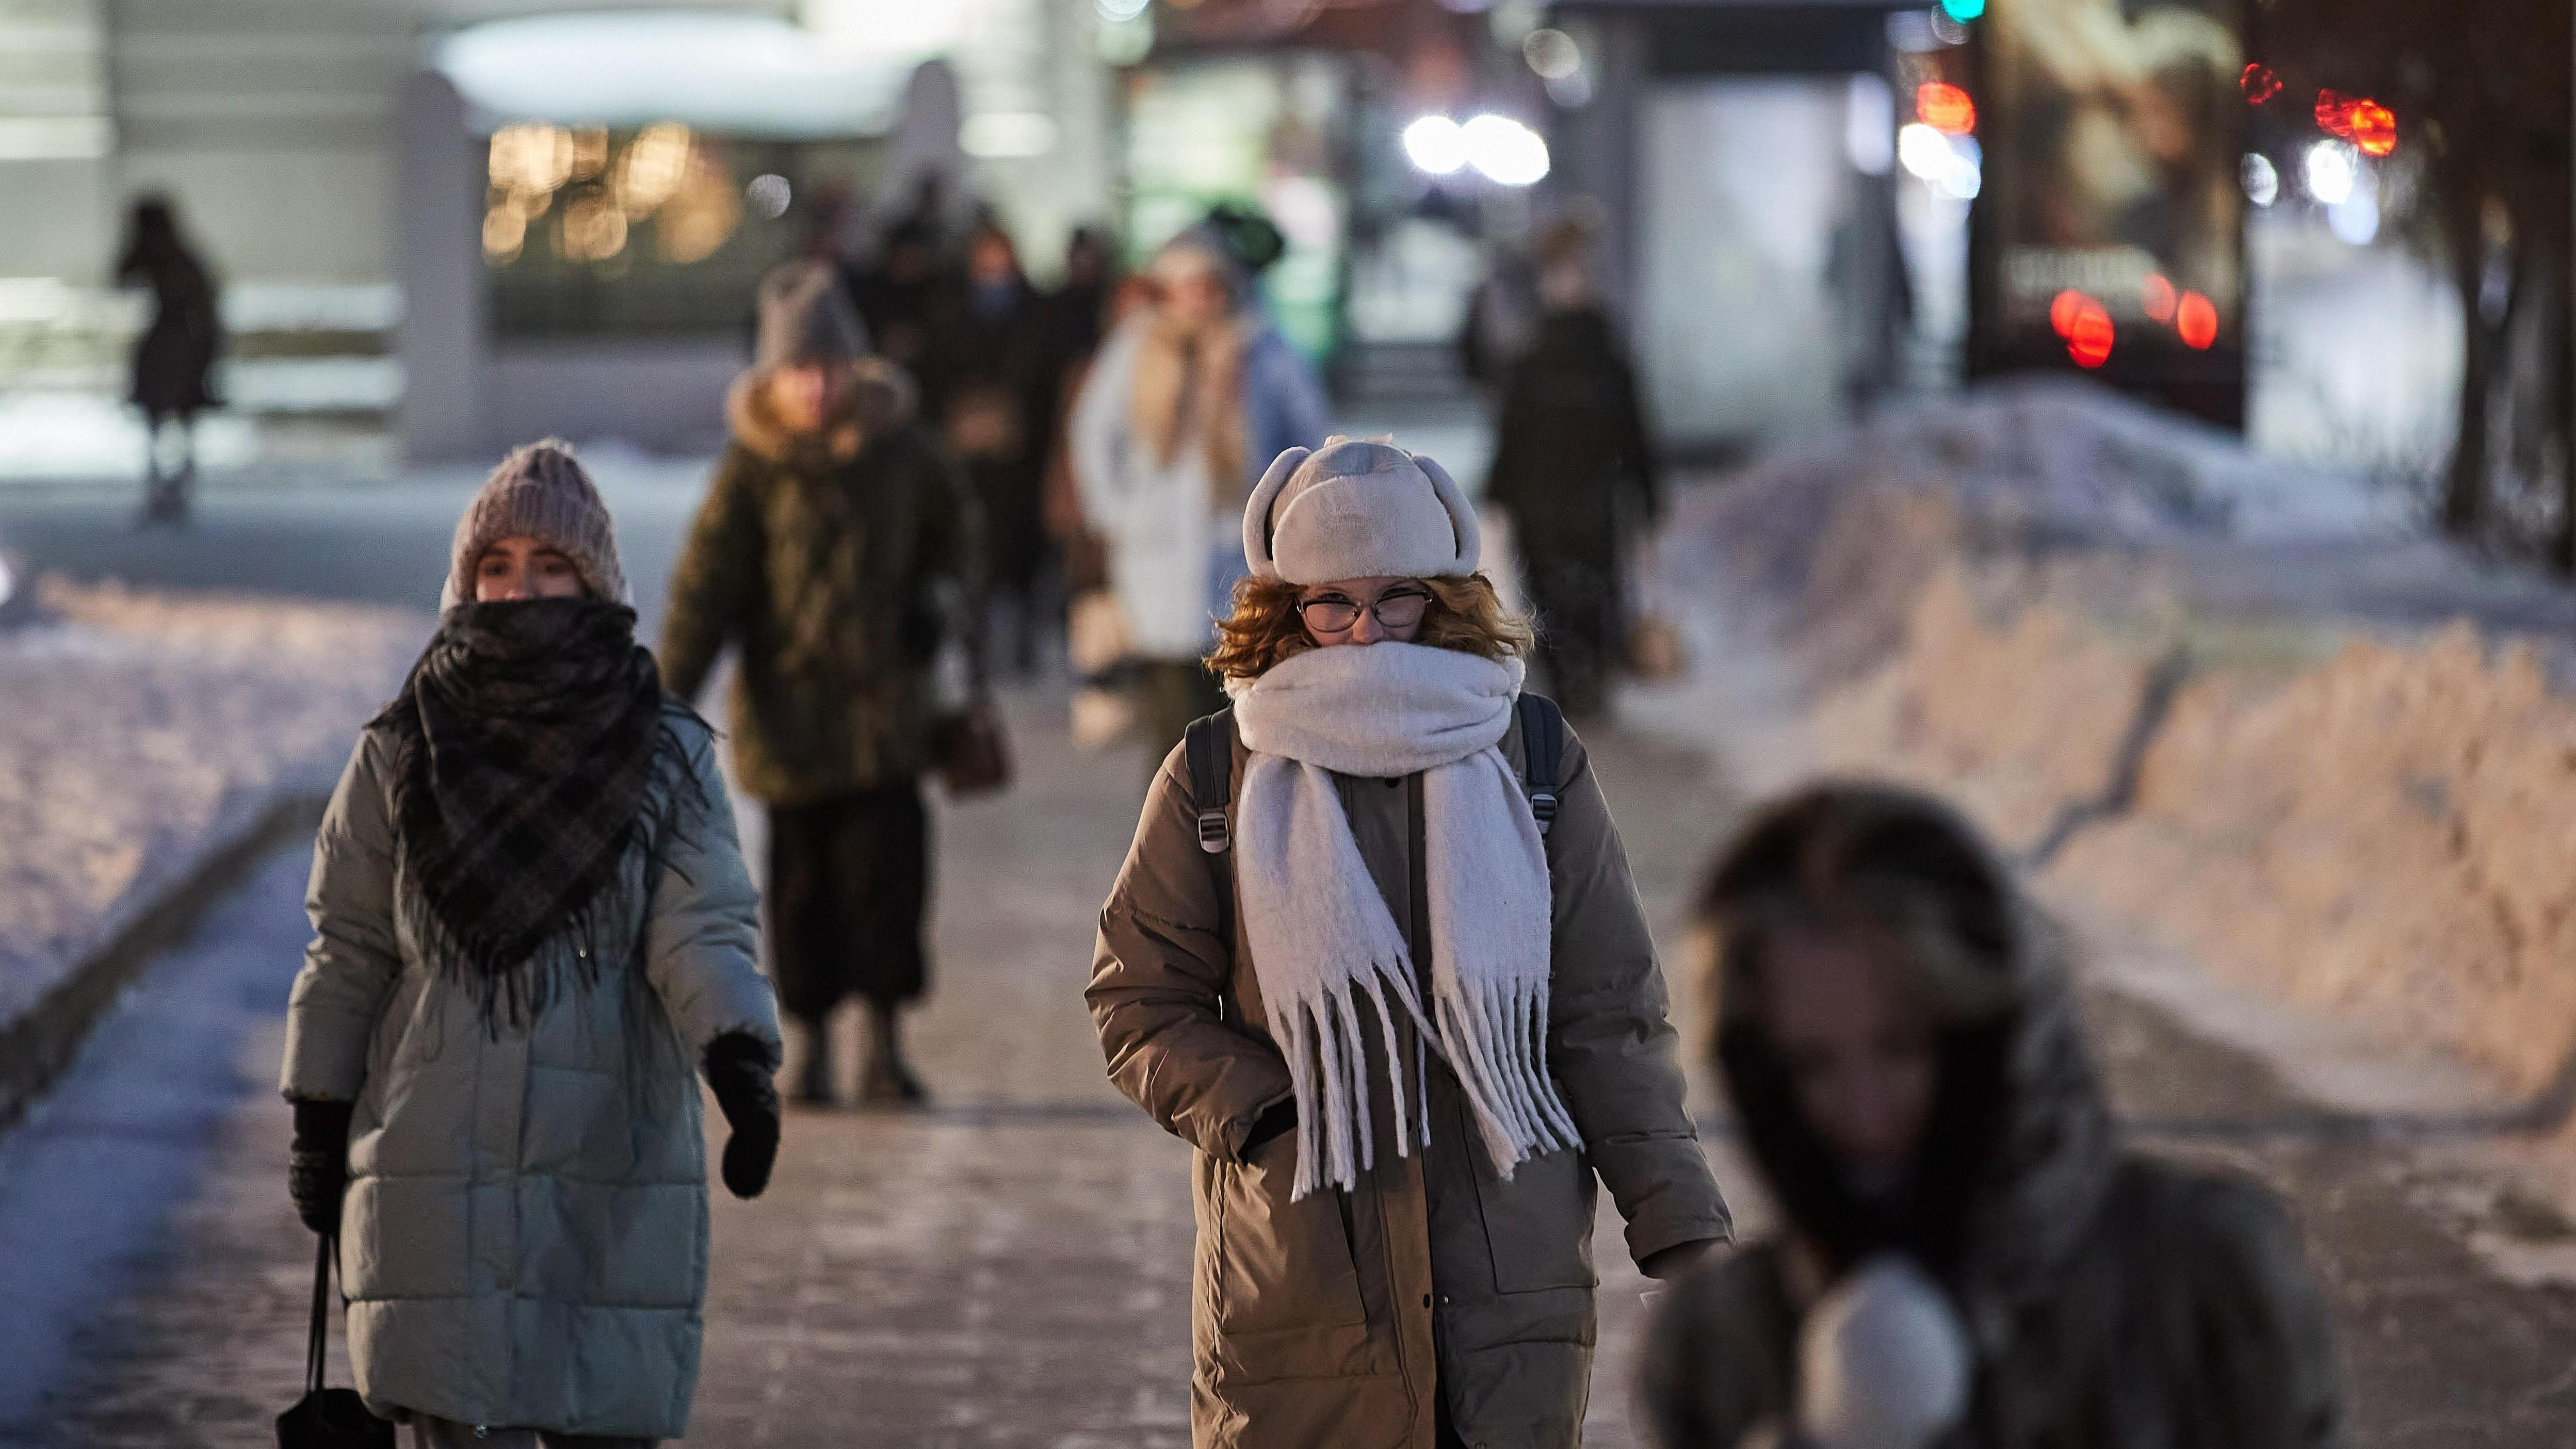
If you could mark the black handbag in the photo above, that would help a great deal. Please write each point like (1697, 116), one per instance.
(971, 750)
(328, 1418)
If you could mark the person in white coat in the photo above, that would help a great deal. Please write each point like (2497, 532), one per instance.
(1188, 402)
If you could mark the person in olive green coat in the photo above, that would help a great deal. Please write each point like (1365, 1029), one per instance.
(1407, 1035)
(532, 929)
(1970, 1257)
(837, 547)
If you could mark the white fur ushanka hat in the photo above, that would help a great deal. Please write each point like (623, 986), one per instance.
(1358, 509)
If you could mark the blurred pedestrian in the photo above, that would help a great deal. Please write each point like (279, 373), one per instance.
(175, 354)
(1400, 1094)
(1080, 305)
(1502, 317)
(1574, 466)
(1969, 1255)
(989, 385)
(532, 929)
(894, 295)
(1183, 403)
(836, 549)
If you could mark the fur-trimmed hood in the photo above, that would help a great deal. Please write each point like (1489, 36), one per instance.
(881, 399)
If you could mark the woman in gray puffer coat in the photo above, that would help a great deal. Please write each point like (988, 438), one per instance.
(532, 929)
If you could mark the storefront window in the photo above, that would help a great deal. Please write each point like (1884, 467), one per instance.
(589, 231)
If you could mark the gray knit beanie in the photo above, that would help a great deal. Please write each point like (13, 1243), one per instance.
(806, 316)
(541, 492)
(1358, 509)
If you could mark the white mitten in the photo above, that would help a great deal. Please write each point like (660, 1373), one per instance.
(1883, 1361)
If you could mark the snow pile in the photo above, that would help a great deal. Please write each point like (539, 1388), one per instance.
(2389, 836)
(2226, 702)
(139, 731)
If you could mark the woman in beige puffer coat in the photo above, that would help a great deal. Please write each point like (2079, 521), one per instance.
(1406, 1033)
(532, 930)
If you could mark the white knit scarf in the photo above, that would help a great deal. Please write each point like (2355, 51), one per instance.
(1322, 937)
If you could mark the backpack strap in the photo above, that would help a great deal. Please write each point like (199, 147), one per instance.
(1208, 748)
(1542, 755)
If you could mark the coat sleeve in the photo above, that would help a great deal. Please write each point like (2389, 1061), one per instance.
(1644, 468)
(1158, 976)
(1714, 1369)
(1609, 1044)
(712, 589)
(2259, 1321)
(702, 938)
(354, 961)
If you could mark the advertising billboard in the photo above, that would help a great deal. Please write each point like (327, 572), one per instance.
(2109, 234)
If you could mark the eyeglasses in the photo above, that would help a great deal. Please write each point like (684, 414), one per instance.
(1395, 609)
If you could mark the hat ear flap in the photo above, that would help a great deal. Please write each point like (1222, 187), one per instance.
(1256, 513)
(1462, 515)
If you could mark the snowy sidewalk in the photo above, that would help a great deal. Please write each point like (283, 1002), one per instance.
(143, 734)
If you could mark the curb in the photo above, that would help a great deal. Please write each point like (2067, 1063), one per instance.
(38, 1046)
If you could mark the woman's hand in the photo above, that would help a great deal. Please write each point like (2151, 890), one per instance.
(739, 1067)
(317, 1166)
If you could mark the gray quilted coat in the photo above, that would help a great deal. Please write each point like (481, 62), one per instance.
(524, 1240)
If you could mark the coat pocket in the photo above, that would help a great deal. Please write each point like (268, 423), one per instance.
(1281, 1265)
(1538, 1226)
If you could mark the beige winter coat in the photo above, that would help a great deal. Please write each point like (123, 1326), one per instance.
(1344, 1318)
(524, 1239)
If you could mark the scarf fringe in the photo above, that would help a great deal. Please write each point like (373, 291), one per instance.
(514, 990)
(1326, 1045)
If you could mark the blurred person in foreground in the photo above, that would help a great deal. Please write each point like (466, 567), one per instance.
(1574, 467)
(989, 385)
(1184, 403)
(532, 930)
(1970, 1256)
(836, 549)
(174, 354)
(1410, 1018)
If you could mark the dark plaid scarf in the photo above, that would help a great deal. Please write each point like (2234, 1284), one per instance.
(525, 742)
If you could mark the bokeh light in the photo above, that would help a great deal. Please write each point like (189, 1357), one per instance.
(1436, 144)
(2329, 169)
(2262, 179)
(2195, 318)
(2334, 114)
(769, 194)
(2371, 127)
(1552, 54)
(1963, 11)
(1945, 108)
(2260, 83)
(1504, 150)
(2089, 340)
(2156, 297)
(2064, 308)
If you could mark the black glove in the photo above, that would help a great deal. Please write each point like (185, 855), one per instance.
(739, 1067)
(317, 1166)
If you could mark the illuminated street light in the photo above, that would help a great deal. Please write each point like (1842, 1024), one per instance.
(1506, 151)
(1436, 144)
